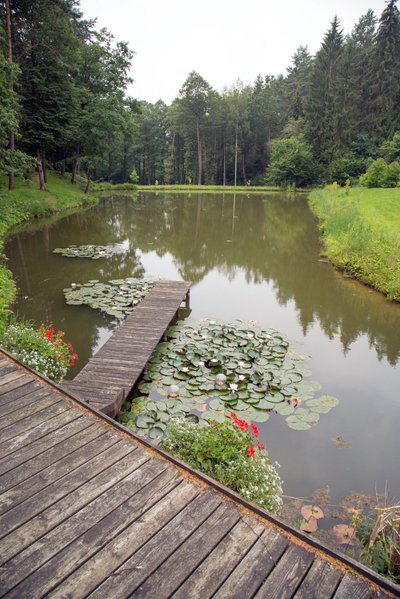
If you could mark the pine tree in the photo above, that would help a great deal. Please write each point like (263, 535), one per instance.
(385, 72)
(298, 81)
(322, 109)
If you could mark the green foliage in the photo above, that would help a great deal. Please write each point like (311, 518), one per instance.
(292, 162)
(229, 453)
(381, 174)
(348, 166)
(41, 349)
(361, 233)
(134, 177)
(390, 149)
(380, 535)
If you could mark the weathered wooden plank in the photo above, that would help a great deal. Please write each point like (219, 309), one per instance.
(352, 587)
(254, 568)
(183, 560)
(287, 575)
(31, 435)
(87, 504)
(19, 381)
(33, 449)
(38, 400)
(209, 575)
(156, 539)
(21, 513)
(145, 481)
(59, 453)
(10, 375)
(121, 360)
(21, 426)
(19, 398)
(321, 581)
(49, 575)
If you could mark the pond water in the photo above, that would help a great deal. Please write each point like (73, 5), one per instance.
(252, 257)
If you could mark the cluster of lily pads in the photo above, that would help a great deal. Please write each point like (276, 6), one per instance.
(116, 298)
(209, 369)
(89, 251)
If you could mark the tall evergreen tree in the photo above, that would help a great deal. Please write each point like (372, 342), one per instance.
(385, 72)
(298, 81)
(322, 109)
(194, 95)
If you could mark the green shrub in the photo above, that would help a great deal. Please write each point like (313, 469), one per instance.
(230, 453)
(348, 166)
(41, 349)
(292, 163)
(381, 174)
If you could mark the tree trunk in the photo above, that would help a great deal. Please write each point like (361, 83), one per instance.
(11, 85)
(62, 168)
(40, 172)
(74, 172)
(224, 168)
(87, 181)
(199, 155)
(44, 168)
(244, 169)
(236, 154)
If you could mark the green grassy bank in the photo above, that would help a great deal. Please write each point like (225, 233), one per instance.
(209, 188)
(25, 203)
(361, 233)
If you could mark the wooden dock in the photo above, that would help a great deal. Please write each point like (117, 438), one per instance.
(113, 371)
(87, 509)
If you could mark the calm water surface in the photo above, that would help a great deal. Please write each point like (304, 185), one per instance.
(251, 257)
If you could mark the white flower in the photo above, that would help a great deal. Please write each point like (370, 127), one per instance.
(241, 377)
(184, 369)
(241, 364)
(233, 387)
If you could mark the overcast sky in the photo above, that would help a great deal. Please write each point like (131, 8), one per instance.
(221, 39)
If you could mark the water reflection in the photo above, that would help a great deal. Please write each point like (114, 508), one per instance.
(269, 239)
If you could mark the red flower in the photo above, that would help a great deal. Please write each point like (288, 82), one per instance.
(61, 333)
(243, 425)
(260, 445)
(255, 430)
(70, 347)
(60, 356)
(252, 451)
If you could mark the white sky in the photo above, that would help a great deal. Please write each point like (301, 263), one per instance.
(221, 39)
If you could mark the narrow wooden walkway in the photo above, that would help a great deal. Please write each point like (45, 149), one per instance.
(111, 374)
(89, 510)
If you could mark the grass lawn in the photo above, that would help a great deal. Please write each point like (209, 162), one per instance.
(209, 188)
(25, 203)
(361, 233)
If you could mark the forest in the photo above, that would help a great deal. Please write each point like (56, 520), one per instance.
(64, 106)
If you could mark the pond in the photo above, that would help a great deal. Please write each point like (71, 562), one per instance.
(252, 257)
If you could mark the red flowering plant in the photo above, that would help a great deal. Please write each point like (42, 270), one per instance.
(230, 452)
(42, 349)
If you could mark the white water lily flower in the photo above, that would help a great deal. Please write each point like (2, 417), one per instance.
(241, 364)
(201, 364)
(185, 369)
(241, 377)
(250, 336)
(233, 387)
(212, 321)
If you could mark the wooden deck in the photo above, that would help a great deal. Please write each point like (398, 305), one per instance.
(89, 510)
(114, 370)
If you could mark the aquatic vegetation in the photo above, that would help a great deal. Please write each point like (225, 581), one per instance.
(208, 369)
(116, 298)
(90, 251)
